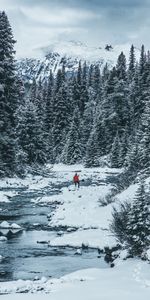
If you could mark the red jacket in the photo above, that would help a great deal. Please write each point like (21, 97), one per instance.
(76, 178)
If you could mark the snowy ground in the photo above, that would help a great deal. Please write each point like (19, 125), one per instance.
(81, 210)
(129, 280)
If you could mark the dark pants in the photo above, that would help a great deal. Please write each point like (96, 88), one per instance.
(77, 183)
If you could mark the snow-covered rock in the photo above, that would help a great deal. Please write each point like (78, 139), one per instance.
(7, 225)
(78, 252)
(5, 196)
(60, 233)
(71, 229)
(3, 238)
(15, 226)
(4, 224)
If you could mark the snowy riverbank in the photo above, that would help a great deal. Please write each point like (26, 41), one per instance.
(86, 215)
(128, 280)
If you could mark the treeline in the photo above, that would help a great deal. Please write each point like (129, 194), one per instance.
(93, 113)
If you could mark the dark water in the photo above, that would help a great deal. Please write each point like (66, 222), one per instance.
(24, 258)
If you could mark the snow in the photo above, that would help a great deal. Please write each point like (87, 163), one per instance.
(4, 224)
(94, 238)
(128, 194)
(7, 225)
(5, 196)
(78, 252)
(15, 226)
(3, 238)
(50, 57)
(81, 208)
(47, 199)
(128, 280)
(76, 50)
(148, 254)
(1, 85)
(87, 222)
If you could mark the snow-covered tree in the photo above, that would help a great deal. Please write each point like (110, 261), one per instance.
(73, 149)
(138, 225)
(30, 137)
(61, 121)
(8, 98)
(132, 61)
(115, 153)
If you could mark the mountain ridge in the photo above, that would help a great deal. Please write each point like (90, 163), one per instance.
(53, 56)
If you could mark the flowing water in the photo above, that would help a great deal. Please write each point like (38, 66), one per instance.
(23, 257)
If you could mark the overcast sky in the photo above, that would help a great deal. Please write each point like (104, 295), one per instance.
(38, 23)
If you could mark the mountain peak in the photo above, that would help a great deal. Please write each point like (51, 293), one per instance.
(53, 56)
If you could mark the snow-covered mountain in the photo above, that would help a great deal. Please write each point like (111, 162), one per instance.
(52, 57)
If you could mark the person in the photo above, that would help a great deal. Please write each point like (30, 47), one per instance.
(76, 180)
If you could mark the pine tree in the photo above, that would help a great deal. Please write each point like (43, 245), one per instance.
(8, 98)
(142, 78)
(133, 101)
(142, 61)
(115, 153)
(33, 91)
(87, 123)
(131, 68)
(120, 96)
(105, 73)
(84, 91)
(120, 221)
(30, 136)
(49, 118)
(109, 109)
(92, 153)
(90, 76)
(121, 67)
(144, 139)
(61, 121)
(138, 225)
(49, 103)
(73, 149)
(96, 143)
(58, 81)
(78, 90)
(132, 160)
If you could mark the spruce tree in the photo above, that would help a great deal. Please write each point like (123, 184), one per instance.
(73, 149)
(92, 154)
(144, 139)
(87, 123)
(84, 97)
(115, 153)
(61, 121)
(90, 76)
(8, 98)
(96, 143)
(49, 117)
(138, 225)
(33, 91)
(109, 109)
(131, 68)
(30, 139)
(121, 67)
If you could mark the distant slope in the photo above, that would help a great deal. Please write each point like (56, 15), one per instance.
(52, 57)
